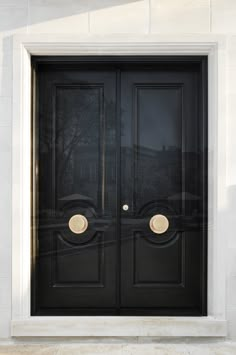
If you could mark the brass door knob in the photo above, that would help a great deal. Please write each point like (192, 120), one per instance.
(159, 224)
(78, 224)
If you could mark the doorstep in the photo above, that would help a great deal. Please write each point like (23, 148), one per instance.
(119, 326)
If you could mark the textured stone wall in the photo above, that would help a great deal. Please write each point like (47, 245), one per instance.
(112, 16)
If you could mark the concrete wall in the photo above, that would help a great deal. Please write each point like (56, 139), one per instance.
(112, 16)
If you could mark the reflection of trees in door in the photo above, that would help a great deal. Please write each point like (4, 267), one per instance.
(80, 141)
(77, 129)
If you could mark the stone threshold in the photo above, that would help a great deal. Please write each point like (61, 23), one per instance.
(119, 327)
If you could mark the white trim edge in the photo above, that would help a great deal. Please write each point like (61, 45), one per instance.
(23, 47)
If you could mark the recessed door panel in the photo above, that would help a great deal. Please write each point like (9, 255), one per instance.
(119, 186)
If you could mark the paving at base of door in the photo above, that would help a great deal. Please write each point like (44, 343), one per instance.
(218, 348)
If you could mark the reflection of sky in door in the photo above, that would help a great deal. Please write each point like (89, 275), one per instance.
(159, 118)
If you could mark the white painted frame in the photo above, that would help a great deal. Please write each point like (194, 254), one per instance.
(25, 46)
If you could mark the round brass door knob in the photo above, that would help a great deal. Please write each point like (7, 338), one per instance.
(159, 224)
(78, 224)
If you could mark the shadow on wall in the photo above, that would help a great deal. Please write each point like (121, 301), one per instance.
(19, 14)
(61, 17)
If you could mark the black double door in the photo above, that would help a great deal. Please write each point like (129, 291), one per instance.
(119, 186)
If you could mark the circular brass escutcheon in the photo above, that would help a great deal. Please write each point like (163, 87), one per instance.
(78, 224)
(159, 224)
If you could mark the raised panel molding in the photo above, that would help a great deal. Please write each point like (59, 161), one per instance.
(179, 283)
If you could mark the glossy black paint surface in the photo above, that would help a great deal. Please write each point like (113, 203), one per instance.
(109, 132)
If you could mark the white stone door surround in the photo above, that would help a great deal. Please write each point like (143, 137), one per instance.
(23, 47)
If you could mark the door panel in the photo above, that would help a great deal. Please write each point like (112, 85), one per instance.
(109, 132)
(76, 176)
(161, 155)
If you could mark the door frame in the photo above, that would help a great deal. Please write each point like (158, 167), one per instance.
(23, 324)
